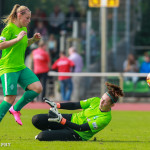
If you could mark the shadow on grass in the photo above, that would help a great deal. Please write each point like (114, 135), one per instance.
(117, 141)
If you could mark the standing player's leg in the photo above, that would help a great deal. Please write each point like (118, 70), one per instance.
(9, 84)
(28, 81)
(6, 104)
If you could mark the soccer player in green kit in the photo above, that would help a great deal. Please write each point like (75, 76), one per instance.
(13, 43)
(95, 116)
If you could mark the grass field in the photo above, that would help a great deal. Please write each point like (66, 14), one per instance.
(128, 130)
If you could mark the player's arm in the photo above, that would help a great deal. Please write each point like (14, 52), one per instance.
(5, 44)
(36, 37)
(54, 116)
(66, 105)
(82, 127)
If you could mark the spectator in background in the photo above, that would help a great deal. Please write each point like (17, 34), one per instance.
(71, 16)
(41, 65)
(39, 15)
(93, 45)
(83, 38)
(63, 64)
(56, 21)
(52, 47)
(42, 30)
(78, 61)
(131, 65)
(76, 58)
(145, 66)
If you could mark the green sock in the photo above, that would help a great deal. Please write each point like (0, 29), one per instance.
(27, 97)
(4, 107)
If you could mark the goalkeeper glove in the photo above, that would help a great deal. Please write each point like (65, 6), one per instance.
(54, 116)
(51, 103)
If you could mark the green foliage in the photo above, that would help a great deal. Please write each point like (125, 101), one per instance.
(127, 130)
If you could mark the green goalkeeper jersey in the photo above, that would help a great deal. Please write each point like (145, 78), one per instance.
(12, 59)
(91, 113)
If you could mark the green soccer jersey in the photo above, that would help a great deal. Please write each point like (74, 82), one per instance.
(12, 59)
(91, 113)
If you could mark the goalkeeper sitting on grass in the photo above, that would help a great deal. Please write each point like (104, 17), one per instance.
(95, 116)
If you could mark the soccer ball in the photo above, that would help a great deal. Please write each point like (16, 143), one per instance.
(148, 79)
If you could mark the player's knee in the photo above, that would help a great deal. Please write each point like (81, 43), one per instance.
(38, 88)
(35, 120)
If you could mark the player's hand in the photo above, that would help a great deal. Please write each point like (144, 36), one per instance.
(36, 37)
(54, 116)
(21, 35)
(51, 103)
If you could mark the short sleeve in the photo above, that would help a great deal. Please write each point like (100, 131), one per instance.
(85, 103)
(5, 35)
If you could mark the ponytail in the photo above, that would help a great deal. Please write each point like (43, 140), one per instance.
(13, 15)
(114, 92)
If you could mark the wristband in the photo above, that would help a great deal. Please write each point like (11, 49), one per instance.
(58, 105)
(63, 121)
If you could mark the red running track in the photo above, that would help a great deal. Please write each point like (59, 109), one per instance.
(118, 106)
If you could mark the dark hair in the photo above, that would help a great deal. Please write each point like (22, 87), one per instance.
(62, 53)
(114, 92)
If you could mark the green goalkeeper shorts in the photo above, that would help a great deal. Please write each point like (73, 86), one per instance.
(23, 78)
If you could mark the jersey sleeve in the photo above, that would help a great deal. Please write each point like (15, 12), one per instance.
(5, 35)
(71, 63)
(54, 66)
(85, 103)
(98, 124)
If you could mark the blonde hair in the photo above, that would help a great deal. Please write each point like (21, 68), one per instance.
(13, 15)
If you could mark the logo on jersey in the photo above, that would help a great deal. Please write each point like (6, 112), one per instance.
(95, 117)
(94, 125)
(2, 38)
(85, 100)
(88, 119)
(11, 86)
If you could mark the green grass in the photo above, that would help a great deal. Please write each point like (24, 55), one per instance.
(128, 130)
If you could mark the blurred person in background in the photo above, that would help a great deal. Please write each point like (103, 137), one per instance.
(52, 47)
(13, 43)
(41, 65)
(145, 66)
(93, 46)
(56, 20)
(39, 15)
(71, 16)
(94, 116)
(40, 28)
(131, 65)
(63, 64)
(78, 61)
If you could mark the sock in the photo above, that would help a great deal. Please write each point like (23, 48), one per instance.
(4, 107)
(27, 97)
